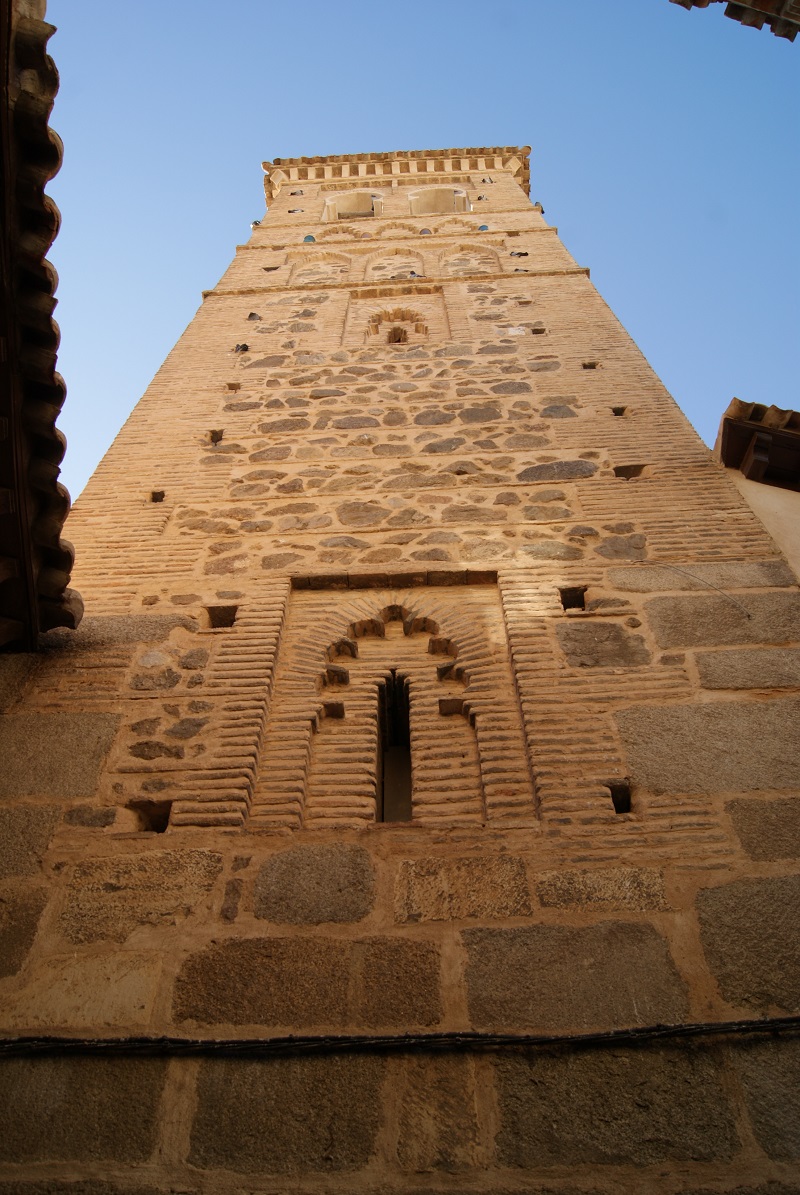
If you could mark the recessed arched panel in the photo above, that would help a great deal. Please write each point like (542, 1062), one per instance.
(352, 205)
(468, 260)
(438, 201)
(394, 265)
(384, 681)
(321, 268)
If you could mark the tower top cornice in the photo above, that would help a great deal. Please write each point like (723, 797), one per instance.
(426, 163)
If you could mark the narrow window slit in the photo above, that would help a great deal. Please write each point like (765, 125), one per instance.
(393, 795)
(152, 816)
(221, 616)
(573, 597)
(620, 795)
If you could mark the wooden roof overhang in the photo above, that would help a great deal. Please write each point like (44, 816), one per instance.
(781, 16)
(763, 443)
(35, 562)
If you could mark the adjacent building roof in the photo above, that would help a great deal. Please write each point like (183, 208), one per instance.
(35, 562)
(781, 16)
(762, 442)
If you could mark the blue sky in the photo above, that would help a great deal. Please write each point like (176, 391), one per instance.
(665, 149)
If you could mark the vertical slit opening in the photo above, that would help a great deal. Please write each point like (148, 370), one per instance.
(573, 597)
(620, 795)
(152, 816)
(393, 794)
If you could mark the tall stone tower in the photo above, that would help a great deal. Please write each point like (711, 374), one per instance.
(415, 808)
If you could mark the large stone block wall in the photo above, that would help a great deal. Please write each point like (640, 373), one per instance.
(603, 652)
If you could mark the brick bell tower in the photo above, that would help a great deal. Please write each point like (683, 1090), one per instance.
(416, 807)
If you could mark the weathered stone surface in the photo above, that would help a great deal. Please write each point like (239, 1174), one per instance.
(186, 728)
(512, 388)
(767, 830)
(613, 1107)
(447, 445)
(553, 550)
(438, 1123)
(361, 514)
(114, 630)
(266, 981)
(482, 415)
(25, 831)
(110, 897)
(83, 1109)
(95, 817)
(351, 422)
(727, 746)
(752, 668)
(162, 678)
(55, 1186)
(278, 560)
(106, 991)
(291, 424)
(695, 576)
(399, 983)
(623, 547)
(433, 417)
(312, 884)
(19, 919)
(552, 977)
(53, 755)
(558, 471)
(558, 411)
(525, 440)
(709, 620)
(639, 888)
(15, 671)
(287, 1115)
(770, 1074)
(595, 644)
(750, 931)
(546, 513)
(152, 749)
(450, 889)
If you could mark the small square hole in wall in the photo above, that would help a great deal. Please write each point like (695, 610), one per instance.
(157, 495)
(589, 364)
(618, 410)
(152, 816)
(215, 436)
(629, 471)
(620, 795)
(233, 385)
(573, 597)
(218, 617)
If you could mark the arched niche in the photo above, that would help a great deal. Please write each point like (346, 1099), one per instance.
(438, 201)
(392, 264)
(467, 260)
(396, 325)
(324, 267)
(352, 205)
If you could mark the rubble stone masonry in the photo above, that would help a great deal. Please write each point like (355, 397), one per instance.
(405, 463)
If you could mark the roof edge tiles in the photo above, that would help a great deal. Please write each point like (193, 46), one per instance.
(35, 562)
(781, 16)
(445, 161)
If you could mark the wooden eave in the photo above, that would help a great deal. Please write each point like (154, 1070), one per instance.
(781, 16)
(35, 562)
(763, 443)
